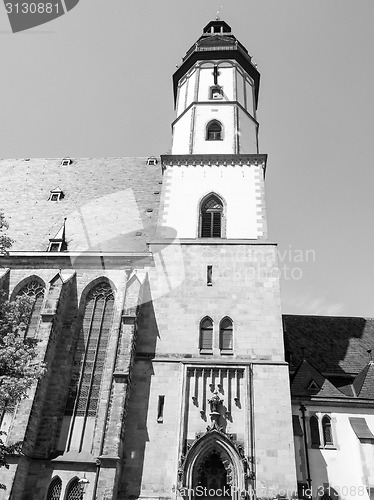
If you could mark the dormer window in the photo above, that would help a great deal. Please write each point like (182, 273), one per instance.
(152, 160)
(55, 197)
(66, 162)
(56, 194)
(55, 246)
(58, 243)
(216, 92)
(214, 131)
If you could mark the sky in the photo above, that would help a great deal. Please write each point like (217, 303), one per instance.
(96, 82)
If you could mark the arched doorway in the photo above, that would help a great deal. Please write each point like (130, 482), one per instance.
(213, 468)
(211, 475)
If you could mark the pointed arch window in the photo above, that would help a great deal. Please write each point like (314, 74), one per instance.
(74, 491)
(327, 431)
(314, 431)
(54, 490)
(91, 352)
(214, 131)
(34, 289)
(211, 217)
(206, 335)
(226, 335)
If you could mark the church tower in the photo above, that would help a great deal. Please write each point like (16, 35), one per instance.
(209, 405)
(156, 308)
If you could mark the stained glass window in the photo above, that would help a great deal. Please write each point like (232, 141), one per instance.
(54, 490)
(35, 290)
(91, 351)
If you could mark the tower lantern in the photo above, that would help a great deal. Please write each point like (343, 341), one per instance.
(216, 94)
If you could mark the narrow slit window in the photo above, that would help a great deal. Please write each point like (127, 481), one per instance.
(209, 275)
(206, 335)
(226, 335)
(160, 409)
(214, 131)
(211, 218)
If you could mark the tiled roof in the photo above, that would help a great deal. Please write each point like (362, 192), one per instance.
(110, 204)
(332, 344)
(364, 382)
(305, 375)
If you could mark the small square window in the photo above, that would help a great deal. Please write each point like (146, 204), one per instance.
(66, 162)
(152, 160)
(55, 247)
(216, 92)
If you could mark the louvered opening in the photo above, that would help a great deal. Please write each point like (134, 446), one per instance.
(214, 131)
(211, 218)
(226, 335)
(206, 335)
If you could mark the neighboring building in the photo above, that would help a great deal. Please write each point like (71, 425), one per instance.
(157, 307)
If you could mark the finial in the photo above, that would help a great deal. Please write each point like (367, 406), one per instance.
(370, 356)
(218, 12)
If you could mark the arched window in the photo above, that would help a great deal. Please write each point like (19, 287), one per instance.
(74, 491)
(314, 431)
(91, 351)
(327, 431)
(206, 334)
(211, 217)
(35, 290)
(54, 490)
(214, 131)
(225, 335)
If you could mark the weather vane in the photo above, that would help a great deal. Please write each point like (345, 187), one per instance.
(218, 11)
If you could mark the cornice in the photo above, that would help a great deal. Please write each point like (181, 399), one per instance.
(75, 260)
(220, 160)
(351, 402)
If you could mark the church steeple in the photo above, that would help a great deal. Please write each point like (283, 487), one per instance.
(216, 94)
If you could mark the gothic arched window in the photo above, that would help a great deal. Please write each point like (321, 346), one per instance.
(214, 131)
(35, 290)
(211, 217)
(327, 431)
(91, 351)
(225, 335)
(74, 491)
(314, 431)
(206, 334)
(54, 490)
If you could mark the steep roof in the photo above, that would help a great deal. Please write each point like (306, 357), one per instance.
(332, 344)
(307, 381)
(110, 204)
(364, 382)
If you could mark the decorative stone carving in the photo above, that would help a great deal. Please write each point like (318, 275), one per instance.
(215, 402)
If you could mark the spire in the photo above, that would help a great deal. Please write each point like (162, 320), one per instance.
(58, 243)
(218, 12)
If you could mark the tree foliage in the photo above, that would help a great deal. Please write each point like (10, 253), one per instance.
(5, 241)
(19, 368)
